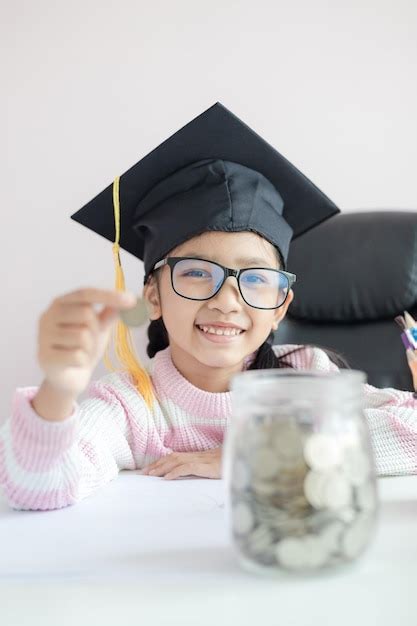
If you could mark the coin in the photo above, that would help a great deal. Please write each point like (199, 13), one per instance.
(337, 492)
(313, 488)
(260, 539)
(290, 553)
(243, 519)
(316, 551)
(356, 465)
(322, 451)
(265, 462)
(300, 500)
(254, 436)
(269, 514)
(331, 535)
(357, 535)
(346, 515)
(263, 490)
(137, 315)
(327, 490)
(287, 443)
(299, 553)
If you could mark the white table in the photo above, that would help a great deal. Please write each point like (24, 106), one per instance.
(144, 549)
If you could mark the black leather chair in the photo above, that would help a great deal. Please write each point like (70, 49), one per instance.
(355, 273)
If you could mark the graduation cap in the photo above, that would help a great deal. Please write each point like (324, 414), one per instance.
(214, 174)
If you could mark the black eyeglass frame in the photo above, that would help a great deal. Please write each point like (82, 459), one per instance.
(171, 261)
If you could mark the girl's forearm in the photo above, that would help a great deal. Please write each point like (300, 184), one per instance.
(52, 404)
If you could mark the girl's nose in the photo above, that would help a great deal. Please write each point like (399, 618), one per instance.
(228, 298)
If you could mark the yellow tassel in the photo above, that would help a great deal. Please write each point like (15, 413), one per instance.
(123, 344)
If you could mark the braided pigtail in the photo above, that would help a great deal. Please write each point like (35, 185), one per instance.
(158, 337)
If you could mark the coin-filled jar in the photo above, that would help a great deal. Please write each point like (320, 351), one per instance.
(299, 470)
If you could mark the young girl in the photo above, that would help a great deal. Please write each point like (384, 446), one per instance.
(214, 242)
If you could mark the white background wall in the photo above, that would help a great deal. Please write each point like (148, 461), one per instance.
(91, 86)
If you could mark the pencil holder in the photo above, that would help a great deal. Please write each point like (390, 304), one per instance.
(299, 470)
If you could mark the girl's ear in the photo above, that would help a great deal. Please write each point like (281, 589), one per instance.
(282, 311)
(152, 297)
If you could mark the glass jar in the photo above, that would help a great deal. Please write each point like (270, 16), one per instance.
(299, 470)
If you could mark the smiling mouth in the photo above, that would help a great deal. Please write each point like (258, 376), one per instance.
(216, 330)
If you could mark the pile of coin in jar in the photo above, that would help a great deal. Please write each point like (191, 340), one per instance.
(301, 500)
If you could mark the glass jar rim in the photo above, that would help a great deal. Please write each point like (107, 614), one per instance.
(292, 376)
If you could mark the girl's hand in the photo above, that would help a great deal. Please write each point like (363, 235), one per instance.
(412, 363)
(72, 336)
(206, 464)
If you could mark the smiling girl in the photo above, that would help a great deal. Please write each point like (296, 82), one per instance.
(205, 212)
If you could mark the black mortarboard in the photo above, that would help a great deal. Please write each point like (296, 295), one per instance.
(215, 173)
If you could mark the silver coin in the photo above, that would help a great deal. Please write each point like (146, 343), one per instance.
(287, 443)
(298, 503)
(356, 465)
(316, 551)
(260, 539)
(313, 488)
(263, 490)
(331, 535)
(290, 553)
(346, 515)
(322, 452)
(243, 519)
(337, 492)
(294, 503)
(265, 463)
(266, 511)
(289, 527)
(298, 495)
(301, 553)
(293, 473)
(357, 536)
(137, 315)
(255, 436)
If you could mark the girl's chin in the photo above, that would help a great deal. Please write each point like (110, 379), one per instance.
(221, 358)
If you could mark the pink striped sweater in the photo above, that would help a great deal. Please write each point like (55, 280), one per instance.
(49, 465)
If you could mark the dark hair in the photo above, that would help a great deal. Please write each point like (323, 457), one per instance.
(158, 337)
(265, 356)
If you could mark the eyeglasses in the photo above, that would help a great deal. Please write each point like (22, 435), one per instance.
(199, 279)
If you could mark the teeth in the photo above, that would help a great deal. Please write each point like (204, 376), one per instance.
(217, 331)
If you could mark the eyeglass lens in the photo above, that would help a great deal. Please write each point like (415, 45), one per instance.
(200, 280)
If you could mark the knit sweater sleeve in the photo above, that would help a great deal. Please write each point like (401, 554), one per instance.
(391, 414)
(49, 465)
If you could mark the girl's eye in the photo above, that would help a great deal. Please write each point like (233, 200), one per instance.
(254, 279)
(197, 274)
